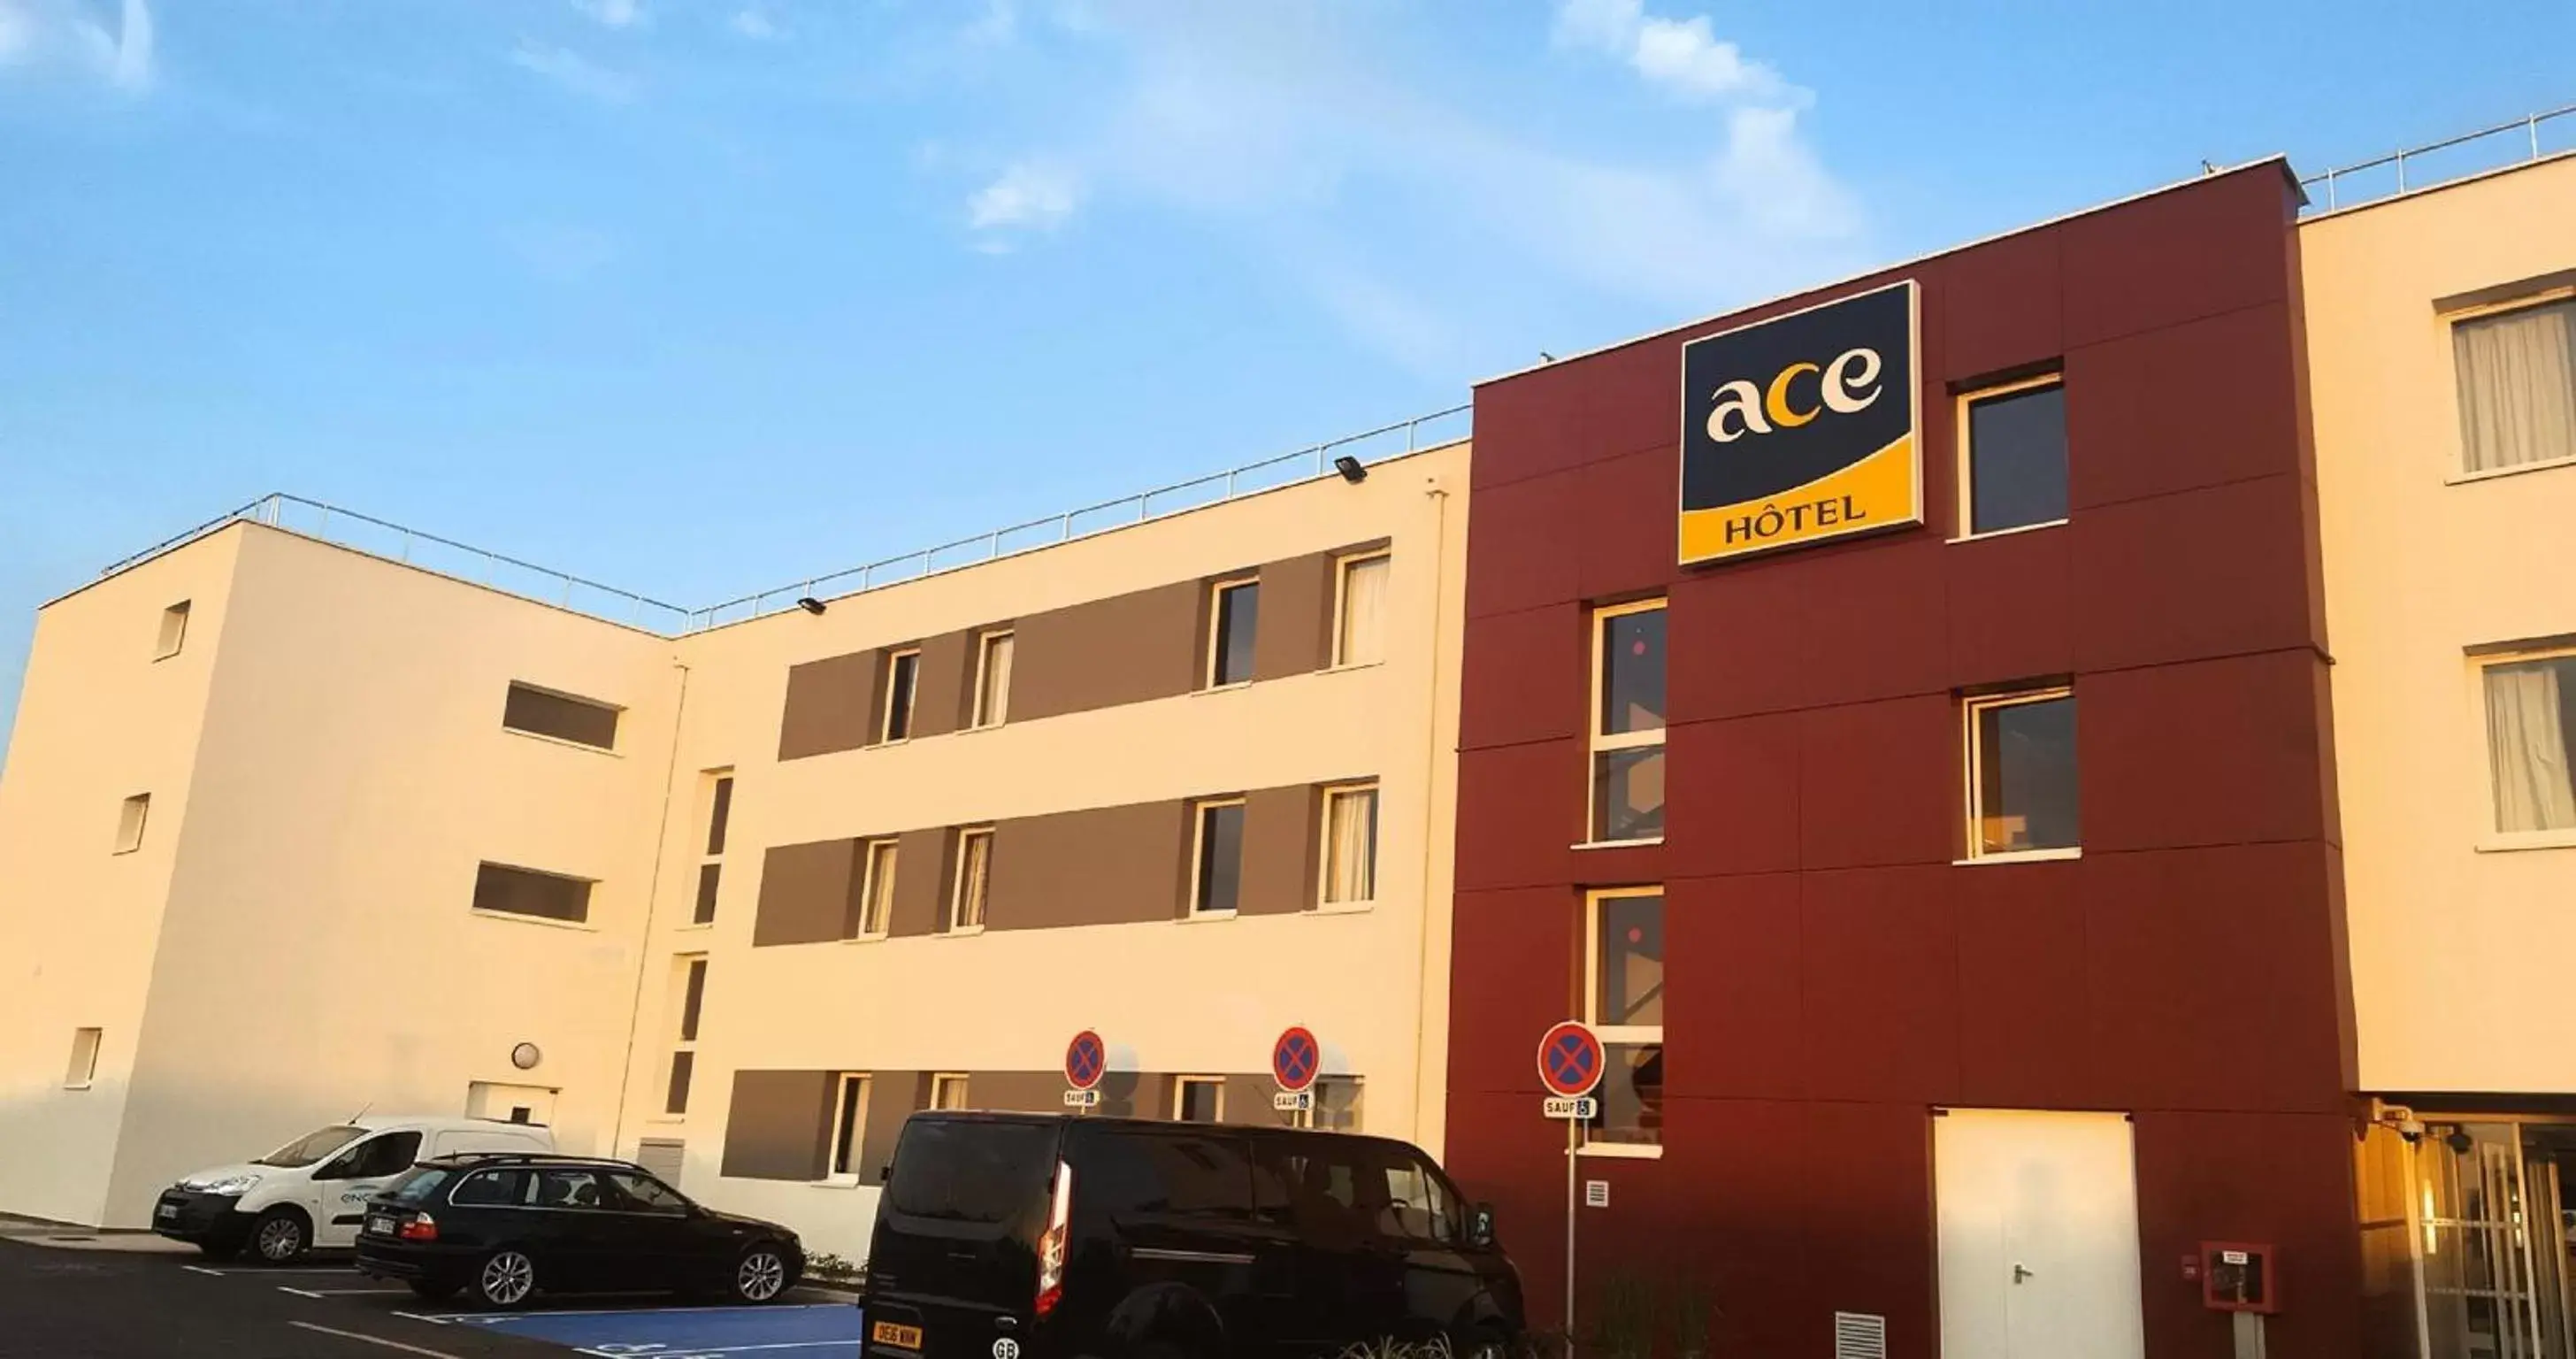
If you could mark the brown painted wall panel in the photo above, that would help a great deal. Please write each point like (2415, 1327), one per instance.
(1295, 634)
(831, 705)
(1128, 648)
(807, 892)
(892, 1097)
(779, 1126)
(921, 867)
(1097, 866)
(943, 684)
(1032, 1092)
(1280, 838)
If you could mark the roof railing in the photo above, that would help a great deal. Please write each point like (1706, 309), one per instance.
(2528, 148)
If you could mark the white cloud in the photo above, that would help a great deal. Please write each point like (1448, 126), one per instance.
(613, 13)
(751, 23)
(1682, 56)
(574, 72)
(77, 35)
(1029, 196)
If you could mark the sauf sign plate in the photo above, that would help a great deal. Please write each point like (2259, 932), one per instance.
(1802, 428)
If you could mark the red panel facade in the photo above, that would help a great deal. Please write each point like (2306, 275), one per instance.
(1833, 974)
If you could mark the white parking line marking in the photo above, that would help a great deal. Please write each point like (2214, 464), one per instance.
(373, 1340)
(201, 1269)
(356, 1292)
(488, 1318)
(299, 1292)
(434, 1321)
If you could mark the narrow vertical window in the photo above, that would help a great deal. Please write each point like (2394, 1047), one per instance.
(129, 822)
(688, 1002)
(1624, 1004)
(83, 1069)
(1216, 876)
(993, 679)
(876, 889)
(973, 888)
(2517, 382)
(849, 1124)
(1359, 634)
(2021, 774)
(948, 1091)
(174, 631)
(1350, 845)
(711, 872)
(2531, 743)
(2012, 455)
(902, 669)
(1234, 619)
(1198, 1099)
(1627, 774)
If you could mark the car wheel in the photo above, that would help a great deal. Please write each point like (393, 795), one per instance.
(427, 1291)
(761, 1275)
(507, 1279)
(280, 1236)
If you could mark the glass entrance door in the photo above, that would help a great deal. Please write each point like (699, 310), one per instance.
(2491, 1248)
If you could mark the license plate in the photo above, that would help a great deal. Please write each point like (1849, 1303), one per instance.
(166, 1210)
(380, 1226)
(896, 1334)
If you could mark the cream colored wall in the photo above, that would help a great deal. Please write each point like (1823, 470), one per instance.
(1168, 996)
(318, 952)
(2461, 953)
(98, 721)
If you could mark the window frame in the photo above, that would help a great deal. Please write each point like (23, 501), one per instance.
(1342, 568)
(942, 1081)
(1614, 1035)
(616, 713)
(998, 711)
(911, 693)
(868, 891)
(164, 644)
(1217, 591)
(852, 1116)
(139, 807)
(1324, 843)
(1972, 844)
(719, 785)
(1200, 812)
(957, 882)
(2490, 839)
(80, 1074)
(1596, 742)
(684, 1029)
(1181, 1099)
(1967, 456)
(2450, 321)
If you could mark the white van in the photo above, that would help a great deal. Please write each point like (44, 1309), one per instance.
(314, 1190)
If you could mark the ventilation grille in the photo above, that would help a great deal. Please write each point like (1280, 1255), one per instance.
(1858, 1335)
(663, 1157)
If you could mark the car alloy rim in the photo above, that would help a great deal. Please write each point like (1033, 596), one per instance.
(763, 1275)
(279, 1239)
(507, 1277)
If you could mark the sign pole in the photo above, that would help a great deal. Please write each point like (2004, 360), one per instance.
(1570, 1060)
(1573, 1134)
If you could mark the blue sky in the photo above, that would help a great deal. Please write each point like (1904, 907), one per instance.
(698, 296)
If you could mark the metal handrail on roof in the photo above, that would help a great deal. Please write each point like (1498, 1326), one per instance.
(2529, 125)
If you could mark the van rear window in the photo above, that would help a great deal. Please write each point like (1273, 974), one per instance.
(971, 1172)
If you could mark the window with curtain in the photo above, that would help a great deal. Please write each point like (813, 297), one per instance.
(1350, 845)
(2517, 375)
(1627, 775)
(1623, 1001)
(993, 680)
(1360, 640)
(2531, 743)
(974, 879)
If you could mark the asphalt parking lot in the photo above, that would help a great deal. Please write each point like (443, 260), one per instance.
(119, 1304)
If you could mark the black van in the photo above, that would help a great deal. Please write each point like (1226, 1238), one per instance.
(1067, 1236)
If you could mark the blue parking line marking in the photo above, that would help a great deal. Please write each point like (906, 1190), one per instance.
(789, 1332)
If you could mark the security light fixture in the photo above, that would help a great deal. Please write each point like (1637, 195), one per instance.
(526, 1056)
(1350, 469)
(811, 605)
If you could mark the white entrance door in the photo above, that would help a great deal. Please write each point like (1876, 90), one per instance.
(2038, 1234)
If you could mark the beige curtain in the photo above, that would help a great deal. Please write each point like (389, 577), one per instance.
(881, 866)
(971, 877)
(1350, 855)
(1363, 637)
(2517, 375)
(2527, 740)
(993, 705)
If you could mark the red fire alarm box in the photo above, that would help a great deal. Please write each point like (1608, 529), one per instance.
(2236, 1276)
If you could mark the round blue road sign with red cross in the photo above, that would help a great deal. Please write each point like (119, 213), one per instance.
(1569, 1060)
(1296, 1059)
(1086, 1060)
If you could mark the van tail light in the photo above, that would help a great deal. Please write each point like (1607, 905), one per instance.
(420, 1227)
(1051, 1246)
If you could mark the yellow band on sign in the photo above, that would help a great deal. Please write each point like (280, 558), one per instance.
(1879, 489)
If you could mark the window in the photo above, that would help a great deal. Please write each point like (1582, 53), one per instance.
(492, 1188)
(1359, 637)
(1198, 1099)
(2021, 775)
(985, 1173)
(993, 679)
(2531, 742)
(974, 885)
(644, 1194)
(2012, 456)
(1623, 1001)
(1350, 845)
(504, 890)
(849, 1122)
(568, 1188)
(1335, 1107)
(84, 1063)
(876, 889)
(2517, 377)
(689, 987)
(947, 1092)
(902, 669)
(1628, 723)
(1233, 621)
(711, 872)
(1420, 1206)
(1168, 1173)
(374, 1159)
(675, 1096)
(174, 631)
(693, 1002)
(543, 712)
(1216, 874)
(129, 822)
